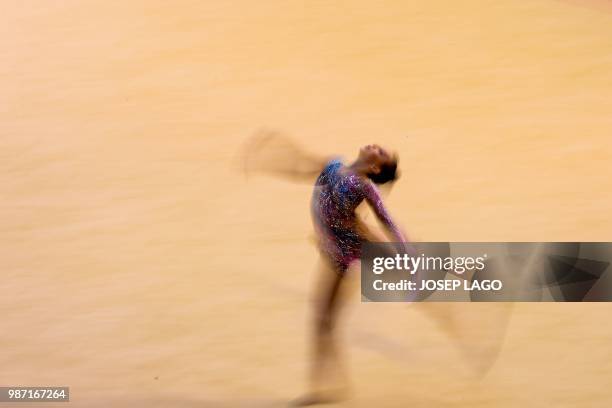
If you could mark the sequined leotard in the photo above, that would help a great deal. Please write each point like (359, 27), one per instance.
(337, 193)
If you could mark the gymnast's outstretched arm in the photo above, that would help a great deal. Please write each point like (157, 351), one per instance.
(276, 154)
(375, 201)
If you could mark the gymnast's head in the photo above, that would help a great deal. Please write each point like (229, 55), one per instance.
(381, 165)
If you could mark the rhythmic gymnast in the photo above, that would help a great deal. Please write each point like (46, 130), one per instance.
(338, 191)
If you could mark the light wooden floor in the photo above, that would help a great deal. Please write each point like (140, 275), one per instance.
(141, 269)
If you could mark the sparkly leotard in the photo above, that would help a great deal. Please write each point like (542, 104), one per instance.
(337, 193)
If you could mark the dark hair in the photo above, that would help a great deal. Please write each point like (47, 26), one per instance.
(388, 172)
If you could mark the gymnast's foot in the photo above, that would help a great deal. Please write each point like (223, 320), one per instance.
(319, 397)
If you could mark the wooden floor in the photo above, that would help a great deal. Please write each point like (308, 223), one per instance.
(140, 268)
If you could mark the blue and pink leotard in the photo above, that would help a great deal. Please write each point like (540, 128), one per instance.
(337, 193)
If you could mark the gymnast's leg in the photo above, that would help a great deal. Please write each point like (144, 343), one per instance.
(326, 378)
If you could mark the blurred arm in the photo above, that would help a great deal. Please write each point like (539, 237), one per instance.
(376, 203)
(276, 154)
